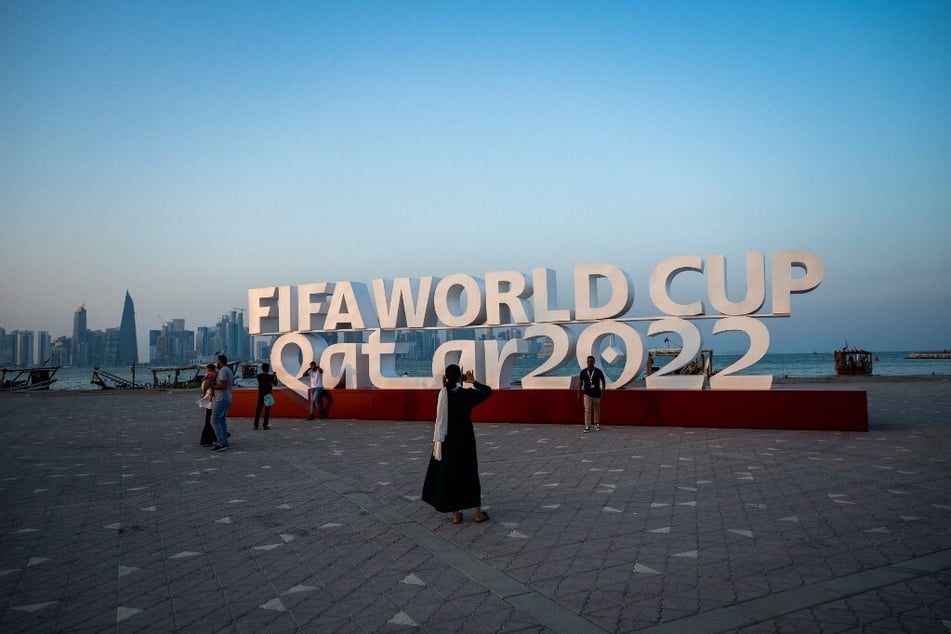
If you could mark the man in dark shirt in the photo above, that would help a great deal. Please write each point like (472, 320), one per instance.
(592, 385)
(266, 381)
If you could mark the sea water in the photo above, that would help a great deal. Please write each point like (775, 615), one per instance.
(780, 365)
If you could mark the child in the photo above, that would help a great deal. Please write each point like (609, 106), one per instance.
(208, 391)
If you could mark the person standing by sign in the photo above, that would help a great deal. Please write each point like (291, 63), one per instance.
(266, 381)
(452, 478)
(592, 385)
(221, 403)
(316, 392)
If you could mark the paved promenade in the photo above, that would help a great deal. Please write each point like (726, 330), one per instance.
(115, 520)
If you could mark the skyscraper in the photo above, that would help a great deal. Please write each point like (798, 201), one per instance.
(79, 349)
(25, 354)
(43, 348)
(128, 351)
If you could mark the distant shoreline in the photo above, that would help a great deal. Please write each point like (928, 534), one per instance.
(846, 382)
(929, 355)
(851, 380)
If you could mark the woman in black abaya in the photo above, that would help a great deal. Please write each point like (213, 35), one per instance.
(452, 479)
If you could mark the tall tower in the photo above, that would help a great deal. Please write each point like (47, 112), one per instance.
(25, 355)
(79, 348)
(128, 352)
(43, 347)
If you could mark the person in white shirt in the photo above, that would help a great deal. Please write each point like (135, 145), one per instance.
(316, 392)
(221, 402)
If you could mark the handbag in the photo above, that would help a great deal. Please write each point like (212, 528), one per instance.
(204, 402)
(268, 400)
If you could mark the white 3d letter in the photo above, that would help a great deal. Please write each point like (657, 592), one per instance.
(271, 310)
(755, 285)
(586, 291)
(499, 364)
(449, 305)
(311, 311)
(546, 294)
(345, 361)
(350, 304)
(381, 350)
(660, 280)
(507, 289)
(784, 284)
(409, 303)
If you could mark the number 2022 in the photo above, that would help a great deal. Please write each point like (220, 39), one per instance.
(666, 377)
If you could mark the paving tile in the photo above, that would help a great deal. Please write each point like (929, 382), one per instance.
(647, 528)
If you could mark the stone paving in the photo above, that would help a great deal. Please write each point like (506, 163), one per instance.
(114, 519)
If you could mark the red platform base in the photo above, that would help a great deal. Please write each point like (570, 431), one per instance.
(805, 409)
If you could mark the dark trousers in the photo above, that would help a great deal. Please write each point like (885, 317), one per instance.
(257, 412)
(207, 432)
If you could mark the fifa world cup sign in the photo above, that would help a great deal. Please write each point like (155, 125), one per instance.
(603, 298)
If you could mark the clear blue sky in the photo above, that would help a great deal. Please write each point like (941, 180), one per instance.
(189, 151)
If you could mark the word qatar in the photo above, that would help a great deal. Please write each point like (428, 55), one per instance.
(603, 294)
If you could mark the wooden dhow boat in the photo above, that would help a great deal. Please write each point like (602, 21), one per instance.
(28, 379)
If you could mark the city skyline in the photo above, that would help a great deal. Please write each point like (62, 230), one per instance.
(189, 152)
(250, 352)
(119, 345)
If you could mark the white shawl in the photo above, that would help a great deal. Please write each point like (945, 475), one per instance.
(442, 422)
(442, 416)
